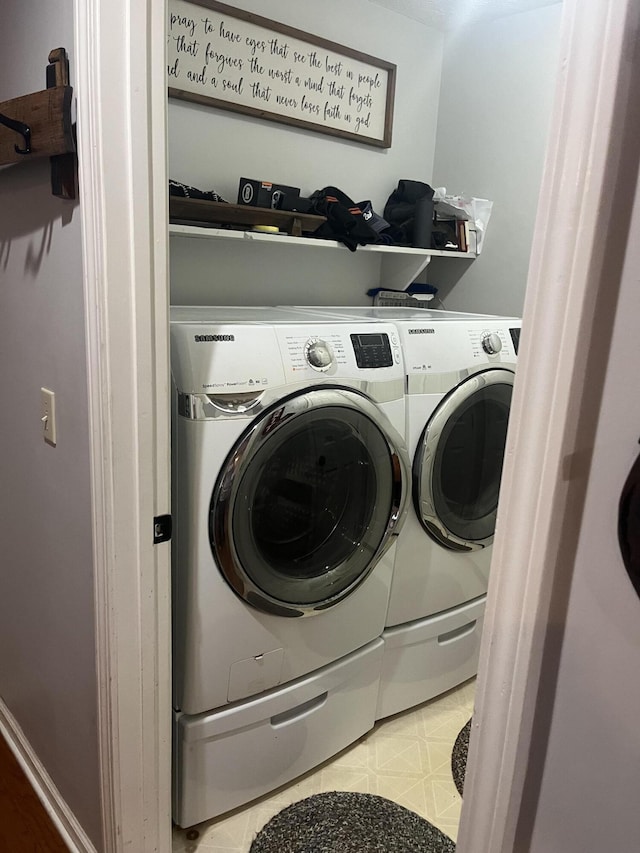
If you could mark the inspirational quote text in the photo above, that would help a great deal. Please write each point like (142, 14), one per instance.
(237, 61)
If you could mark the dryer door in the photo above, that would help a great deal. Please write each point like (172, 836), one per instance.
(308, 501)
(458, 462)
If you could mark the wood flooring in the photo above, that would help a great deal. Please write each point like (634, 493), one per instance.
(25, 827)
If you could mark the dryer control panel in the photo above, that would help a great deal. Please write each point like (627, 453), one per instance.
(372, 350)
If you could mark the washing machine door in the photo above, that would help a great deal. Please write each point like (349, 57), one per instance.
(458, 462)
(308, 501)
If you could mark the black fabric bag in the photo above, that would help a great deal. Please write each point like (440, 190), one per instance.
(180, 190)
(345, 221)
(409, 212)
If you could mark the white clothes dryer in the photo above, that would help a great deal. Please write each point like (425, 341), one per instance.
(460, 370)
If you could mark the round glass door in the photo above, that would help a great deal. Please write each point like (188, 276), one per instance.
(458, 463)
(307, 501)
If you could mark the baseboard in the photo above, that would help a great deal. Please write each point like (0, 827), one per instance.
(63, 818)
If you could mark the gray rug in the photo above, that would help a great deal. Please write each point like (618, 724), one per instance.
(459, 757)
(344, 822)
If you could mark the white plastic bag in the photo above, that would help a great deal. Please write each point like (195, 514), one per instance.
(477, 210)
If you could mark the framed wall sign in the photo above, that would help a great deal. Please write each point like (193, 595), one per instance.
(225, 57)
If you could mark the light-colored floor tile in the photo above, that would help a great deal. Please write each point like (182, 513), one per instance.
(215, 848)
(406, 758)
(439, 723)
(447, 802)
(339, 779)
(450, 829)
(227, 833)
(438, 756)
(398, 754)
(356, 757)
(409, 723)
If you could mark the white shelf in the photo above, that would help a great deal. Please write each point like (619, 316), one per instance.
(395, 266)
(204, 232)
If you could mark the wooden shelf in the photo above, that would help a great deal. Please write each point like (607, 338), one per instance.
(196, 211)
(40, 125)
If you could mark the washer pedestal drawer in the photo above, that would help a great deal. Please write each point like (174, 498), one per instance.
(232, 755)
(425, 658)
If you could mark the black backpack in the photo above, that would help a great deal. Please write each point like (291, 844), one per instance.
(409, 212)
(344, 219)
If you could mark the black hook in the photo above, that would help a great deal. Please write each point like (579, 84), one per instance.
(20, 127)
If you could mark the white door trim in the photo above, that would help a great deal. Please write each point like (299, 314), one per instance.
(121, 105)
(548, 448)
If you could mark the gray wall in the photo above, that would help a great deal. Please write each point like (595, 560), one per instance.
(47, 651)
(473, 119)
(212, 148)
(498, 81)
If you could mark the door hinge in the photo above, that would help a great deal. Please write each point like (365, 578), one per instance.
(162, 525)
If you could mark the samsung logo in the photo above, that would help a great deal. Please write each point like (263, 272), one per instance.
(201, 339)
(421, 331)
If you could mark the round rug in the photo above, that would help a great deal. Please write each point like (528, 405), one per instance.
(459, 757)
(344, 822)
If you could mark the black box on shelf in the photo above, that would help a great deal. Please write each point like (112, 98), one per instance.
(265, 194)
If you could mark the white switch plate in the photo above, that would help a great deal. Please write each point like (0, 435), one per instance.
(48, 415)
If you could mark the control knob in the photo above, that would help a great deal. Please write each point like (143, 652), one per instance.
(491, 343)
(318, 354)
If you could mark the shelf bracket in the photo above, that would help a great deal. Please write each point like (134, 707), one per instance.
(43, 119)
(64, 170)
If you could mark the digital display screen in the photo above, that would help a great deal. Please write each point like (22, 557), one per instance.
(370, 340)
(515, 337)
(372, 350)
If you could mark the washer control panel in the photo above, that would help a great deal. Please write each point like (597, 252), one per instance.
(491, 343)
(450, 345)
(318, 354)
(372, 350)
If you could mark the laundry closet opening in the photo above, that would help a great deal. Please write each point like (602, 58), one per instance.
(335, 472)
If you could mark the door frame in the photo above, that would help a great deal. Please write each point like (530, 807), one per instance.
(578, 248)
(121, 103)
(122, 152)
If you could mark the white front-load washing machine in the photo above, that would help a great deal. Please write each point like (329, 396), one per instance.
(460, 374)
(290, 482)
(459, 379)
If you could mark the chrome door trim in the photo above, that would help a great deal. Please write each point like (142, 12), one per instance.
(262, 429)
(442, 383)
(426, 453)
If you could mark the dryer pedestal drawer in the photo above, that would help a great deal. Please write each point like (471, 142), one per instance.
(429, 656)
(228, 757)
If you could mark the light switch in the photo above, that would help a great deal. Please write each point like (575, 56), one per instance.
(48, 415)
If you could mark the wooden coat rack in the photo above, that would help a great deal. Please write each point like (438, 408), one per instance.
(39, 125)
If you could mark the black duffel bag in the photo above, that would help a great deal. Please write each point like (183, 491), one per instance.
(345, 221)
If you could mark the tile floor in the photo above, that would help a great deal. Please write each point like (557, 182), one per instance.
(406, 758)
